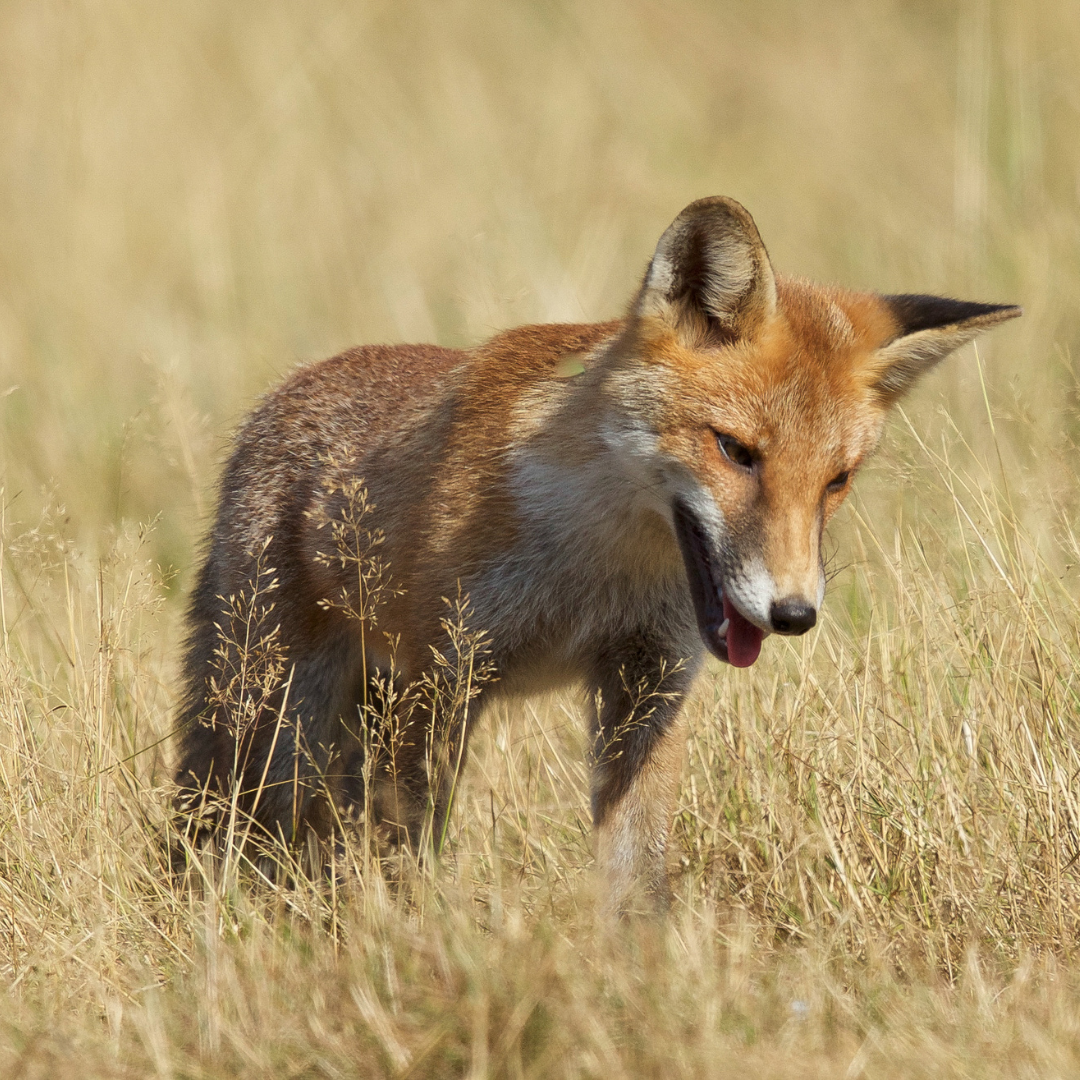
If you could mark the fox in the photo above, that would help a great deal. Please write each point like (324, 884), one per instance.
(609, 502)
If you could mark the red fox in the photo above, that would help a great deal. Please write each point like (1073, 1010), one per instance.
(613, 500)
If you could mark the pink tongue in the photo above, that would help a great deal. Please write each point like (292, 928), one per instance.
(743, 638)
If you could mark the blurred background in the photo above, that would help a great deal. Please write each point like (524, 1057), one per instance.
(195, 196)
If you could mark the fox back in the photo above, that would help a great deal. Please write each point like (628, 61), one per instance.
(593, 504)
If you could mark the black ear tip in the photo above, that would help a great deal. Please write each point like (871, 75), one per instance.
(916, 312)
(999, 313)
(1004, 311)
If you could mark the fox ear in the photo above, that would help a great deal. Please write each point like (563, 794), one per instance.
(710, 277)
(928, 329)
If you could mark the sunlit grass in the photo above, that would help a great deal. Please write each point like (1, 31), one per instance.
(877, 857)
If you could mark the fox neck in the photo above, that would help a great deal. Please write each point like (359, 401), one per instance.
(585, 485)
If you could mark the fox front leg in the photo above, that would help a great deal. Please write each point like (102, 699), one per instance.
(638, 749)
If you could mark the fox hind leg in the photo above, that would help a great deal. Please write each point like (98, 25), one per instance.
(280, 771)
(420, 766)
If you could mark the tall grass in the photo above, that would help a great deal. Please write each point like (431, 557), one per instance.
(877, 861)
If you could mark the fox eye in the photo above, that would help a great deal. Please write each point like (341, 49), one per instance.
(735, 452)
(838, 482)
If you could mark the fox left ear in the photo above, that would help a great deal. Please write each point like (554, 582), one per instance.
(710, 278)
(928, 329)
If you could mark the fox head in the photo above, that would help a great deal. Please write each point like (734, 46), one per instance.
(748, 402)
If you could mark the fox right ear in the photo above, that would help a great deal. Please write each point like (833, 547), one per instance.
(928, 328)
(710, 278)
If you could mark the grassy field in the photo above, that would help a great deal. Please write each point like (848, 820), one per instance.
(878, 836)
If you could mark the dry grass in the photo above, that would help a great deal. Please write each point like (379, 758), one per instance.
(879, 827)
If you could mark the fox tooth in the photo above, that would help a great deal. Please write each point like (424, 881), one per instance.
(721, 630)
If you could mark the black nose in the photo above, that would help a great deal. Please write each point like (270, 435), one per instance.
(792, 616)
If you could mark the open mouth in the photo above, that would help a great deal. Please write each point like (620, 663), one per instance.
(725, 631)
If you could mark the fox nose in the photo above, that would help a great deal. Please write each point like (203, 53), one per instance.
(792, 616)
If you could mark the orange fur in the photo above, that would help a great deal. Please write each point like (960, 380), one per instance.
(614, 499)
